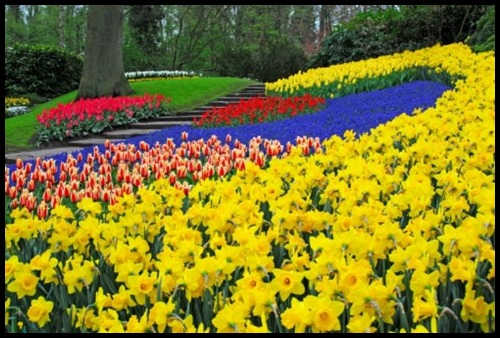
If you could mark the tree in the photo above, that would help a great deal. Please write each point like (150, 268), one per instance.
(198, 28)
(60, 26)
(14, 24)
(303, 28)
(103, 72)
(145, 22)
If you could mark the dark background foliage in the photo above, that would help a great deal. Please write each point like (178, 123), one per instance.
(411, 27)
(43, 71)
(262, 42)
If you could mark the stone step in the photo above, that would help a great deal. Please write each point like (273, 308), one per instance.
(178, 118)
(252, 92)
(89, 142)
(42, 153)
(245, 95)
(156, 124)
(220, 103)
(232, 99)
(124, 133)
(253, 89)
(256, 85)
(202, 109)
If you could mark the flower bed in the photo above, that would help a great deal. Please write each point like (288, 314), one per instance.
(387, 231)
(15, 106)
(163, 74)
(193, 154)
(95, 115)
(259, 110)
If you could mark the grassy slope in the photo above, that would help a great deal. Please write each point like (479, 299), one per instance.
(185, 93)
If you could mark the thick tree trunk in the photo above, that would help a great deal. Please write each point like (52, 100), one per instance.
(103, 72)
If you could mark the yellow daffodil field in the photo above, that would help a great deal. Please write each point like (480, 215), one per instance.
(387, 231)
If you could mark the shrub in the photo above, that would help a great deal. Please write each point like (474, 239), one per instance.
(372, 34)
(483, 38)
(268, 62)
(41, 70)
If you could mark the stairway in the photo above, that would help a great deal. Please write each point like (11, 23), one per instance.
(139, 128)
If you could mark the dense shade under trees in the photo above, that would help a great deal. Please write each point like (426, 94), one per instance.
(235, 40)
(187, 37)
(412, 27)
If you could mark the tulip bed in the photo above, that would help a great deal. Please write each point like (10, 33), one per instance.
(375, 214)
(94, 115)
(259, 110)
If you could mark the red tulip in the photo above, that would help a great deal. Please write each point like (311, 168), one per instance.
(30, 202)
(12, 192)
(172, 178)
(14, 203)
(42, 210)
(20, 183)
(55, 201)
(47, 195)
(31, 185)
(106, 196)
(305, 149)
(74, 197)
(260, 159)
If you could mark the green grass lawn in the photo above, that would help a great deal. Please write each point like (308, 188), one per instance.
(185, 93)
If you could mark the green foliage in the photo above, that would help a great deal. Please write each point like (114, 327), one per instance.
(372, 34)
(51, 25)
(346, 44)
(483, 38)
(135, 58)
(431, 24)
(141, 50)
(271, 61)
(41, 70)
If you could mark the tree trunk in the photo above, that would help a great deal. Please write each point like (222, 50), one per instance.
(103, 72)
(60, 27)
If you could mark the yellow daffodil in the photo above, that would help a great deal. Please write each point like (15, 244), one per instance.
(160, 315)
(46, 265)
(23, 283)
(325, 313)
(231, 319)
(135, 325)
(40, 310)
(298, 317)
(288, 282)
(362, 324)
